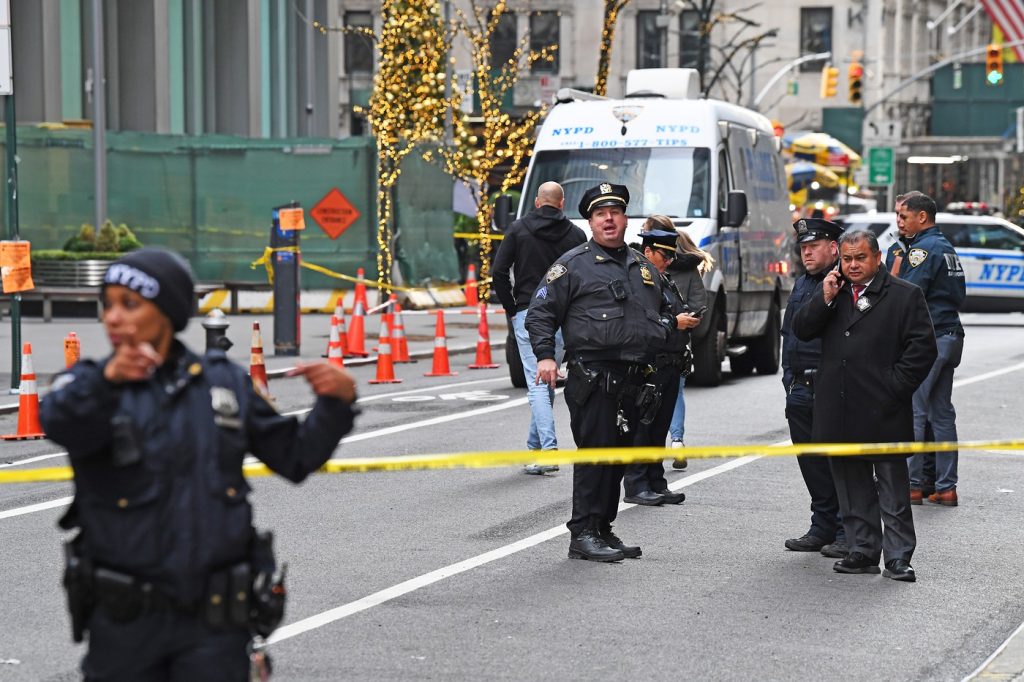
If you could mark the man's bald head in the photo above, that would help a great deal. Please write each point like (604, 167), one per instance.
(550, 194)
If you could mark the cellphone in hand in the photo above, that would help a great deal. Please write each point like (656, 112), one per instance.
(840, 277)
(700, 313)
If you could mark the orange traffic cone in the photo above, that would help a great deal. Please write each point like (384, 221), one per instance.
(401, 342)
(28, 404)
(441, 368)
(385, 366)
(339, 313)
(257, 368)
(334, 346)
(357, 332)
(360, 296)
(72, 349)
(471, 295)
(483, 343)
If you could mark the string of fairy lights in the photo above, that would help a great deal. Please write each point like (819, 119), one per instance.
(611, 16)
(408, 107)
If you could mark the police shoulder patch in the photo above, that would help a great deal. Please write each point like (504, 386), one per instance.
(555, 271)
(916, 257)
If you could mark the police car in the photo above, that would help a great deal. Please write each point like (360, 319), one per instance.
(991, 250)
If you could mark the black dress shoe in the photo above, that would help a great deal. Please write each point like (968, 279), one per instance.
(646, 497)
(590, 546)
(836, 550)
(855, 562)
(613, 541)
(807, 543)
(899, 569)
(671, 497)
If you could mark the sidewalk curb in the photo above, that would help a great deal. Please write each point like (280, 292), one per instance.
(356, 362)
(1006, 663)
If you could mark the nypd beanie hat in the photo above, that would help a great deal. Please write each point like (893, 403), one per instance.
(160, 276)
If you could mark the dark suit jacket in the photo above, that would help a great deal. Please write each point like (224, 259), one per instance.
(872, 361)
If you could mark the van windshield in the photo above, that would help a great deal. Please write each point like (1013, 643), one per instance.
(672, 181)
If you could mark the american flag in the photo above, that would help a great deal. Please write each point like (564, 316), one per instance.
(1008, 15)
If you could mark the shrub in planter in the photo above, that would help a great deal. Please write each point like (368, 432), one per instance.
(109, 243)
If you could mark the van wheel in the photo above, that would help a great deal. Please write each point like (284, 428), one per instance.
(515, 363)
(709, 352)
(741, 365)
(765, 351)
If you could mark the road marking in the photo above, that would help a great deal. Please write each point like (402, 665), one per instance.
(42, 506)
(367, 399)
(390, 593)
(988, 375)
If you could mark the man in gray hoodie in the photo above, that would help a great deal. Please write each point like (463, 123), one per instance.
(530, 245)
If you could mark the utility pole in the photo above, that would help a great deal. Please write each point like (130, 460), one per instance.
(99, 116)
(11, 125)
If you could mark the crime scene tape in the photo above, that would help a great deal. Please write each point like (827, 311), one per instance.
(266, 261)
(476, 235)
(496, 459)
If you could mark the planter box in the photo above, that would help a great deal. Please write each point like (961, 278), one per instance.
(69, 273)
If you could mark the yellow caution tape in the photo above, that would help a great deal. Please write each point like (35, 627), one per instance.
(266, 261)
(476, 235)
(487, 460)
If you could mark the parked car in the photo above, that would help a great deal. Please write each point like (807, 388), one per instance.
(991, 250)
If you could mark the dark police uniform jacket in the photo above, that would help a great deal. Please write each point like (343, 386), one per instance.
(873, 359)
(930, 262)
(181, 510)
(578, 294)
(799, 355)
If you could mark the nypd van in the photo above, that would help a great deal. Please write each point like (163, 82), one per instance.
(991, 250)
(715, 169)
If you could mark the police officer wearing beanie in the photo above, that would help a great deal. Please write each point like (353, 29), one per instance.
(609, 302)
(645, 483)
(817, 240)
(167, 574)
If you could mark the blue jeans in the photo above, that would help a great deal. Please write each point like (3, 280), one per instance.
(933, 404)
(542, 418)
(677, 427)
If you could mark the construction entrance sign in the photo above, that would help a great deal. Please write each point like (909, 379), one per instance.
(334, 213)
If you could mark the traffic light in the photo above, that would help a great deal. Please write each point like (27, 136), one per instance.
(829, 81)
(994, 64)
(855, 77)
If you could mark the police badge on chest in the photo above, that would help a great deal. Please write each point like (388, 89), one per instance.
(225, 407)
(863, 304)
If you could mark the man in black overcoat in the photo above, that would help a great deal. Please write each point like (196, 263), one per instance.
(878, 345)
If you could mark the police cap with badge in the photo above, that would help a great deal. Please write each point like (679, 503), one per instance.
(605, 194)
(663, 240)
(813, 229)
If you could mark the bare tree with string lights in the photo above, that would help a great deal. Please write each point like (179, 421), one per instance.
(502, 139)
(408, 103)
(604, 60)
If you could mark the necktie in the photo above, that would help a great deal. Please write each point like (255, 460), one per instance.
(858, 289)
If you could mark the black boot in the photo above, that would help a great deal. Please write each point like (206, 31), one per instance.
(613, 541)
(591, 546)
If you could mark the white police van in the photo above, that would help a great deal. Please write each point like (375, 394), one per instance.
(712, 166)
(991, 250)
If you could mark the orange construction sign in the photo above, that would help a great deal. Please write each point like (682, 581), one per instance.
(334, 213)
(16, 266)
(291, 219)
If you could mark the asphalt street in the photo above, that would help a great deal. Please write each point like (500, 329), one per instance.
(462, 574)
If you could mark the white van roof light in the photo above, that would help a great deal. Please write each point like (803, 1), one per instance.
(668, 83)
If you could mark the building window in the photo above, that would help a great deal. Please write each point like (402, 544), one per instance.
(648, 40)
(689, 40)
(544, 33)
(815, 34)
(503, 41)
(358, 47)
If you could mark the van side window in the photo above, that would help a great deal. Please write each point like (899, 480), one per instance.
(723, 181)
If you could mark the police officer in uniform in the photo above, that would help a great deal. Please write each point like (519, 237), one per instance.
(645, 483)
(928, 260)
(167, 575)
(817, 240)
(609, 303)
